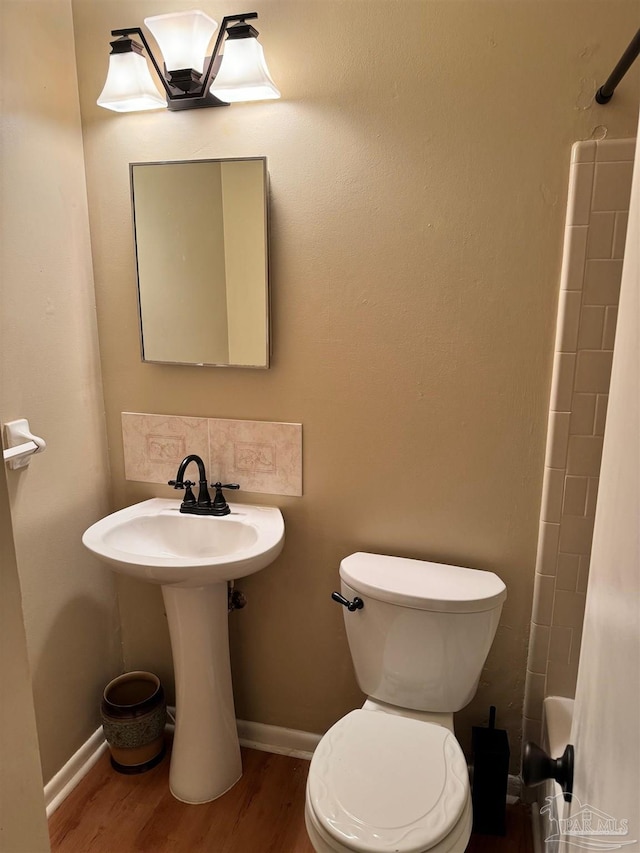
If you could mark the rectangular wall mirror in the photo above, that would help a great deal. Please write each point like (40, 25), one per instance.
(200, 230)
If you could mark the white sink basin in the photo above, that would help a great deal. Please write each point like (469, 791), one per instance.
(193, 557)
(153, 541)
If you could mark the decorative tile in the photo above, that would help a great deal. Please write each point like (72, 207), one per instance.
(552, 488)
(154, 445)
(593, 371)
(573, 257)
(547, 548)
(611, 150)
(261, 456)
(611, 187)
(620, 234)
(580, 184)
(600, 239)
(602, 282)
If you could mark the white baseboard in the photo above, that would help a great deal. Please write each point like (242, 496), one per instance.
(276, 739)
(66, 779)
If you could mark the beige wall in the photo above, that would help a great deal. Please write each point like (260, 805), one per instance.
(49, 373)
(418, 163)
(23, 822)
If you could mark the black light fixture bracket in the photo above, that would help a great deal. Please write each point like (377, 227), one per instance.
(186, 88)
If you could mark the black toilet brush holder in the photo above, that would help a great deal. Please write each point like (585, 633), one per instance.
(491, 753)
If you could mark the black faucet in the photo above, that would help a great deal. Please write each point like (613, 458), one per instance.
(203, 505)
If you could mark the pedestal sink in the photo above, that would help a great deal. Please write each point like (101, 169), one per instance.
(192, 558)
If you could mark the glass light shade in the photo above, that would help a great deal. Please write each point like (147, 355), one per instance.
(243, 74)
(129, 86)
(183, 38)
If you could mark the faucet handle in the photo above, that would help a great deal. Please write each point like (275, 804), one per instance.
(220, 506)
(189, 497)
(178, 484)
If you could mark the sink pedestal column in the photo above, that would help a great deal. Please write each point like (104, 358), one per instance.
(205, 761)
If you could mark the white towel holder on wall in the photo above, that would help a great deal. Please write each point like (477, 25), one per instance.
(21, 443)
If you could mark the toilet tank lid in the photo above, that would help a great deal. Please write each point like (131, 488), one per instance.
(423, 585)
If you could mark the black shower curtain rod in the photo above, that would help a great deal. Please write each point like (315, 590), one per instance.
(605, 92)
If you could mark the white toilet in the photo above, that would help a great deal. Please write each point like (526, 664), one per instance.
(391, 777)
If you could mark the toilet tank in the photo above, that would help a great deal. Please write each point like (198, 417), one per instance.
(425, 630)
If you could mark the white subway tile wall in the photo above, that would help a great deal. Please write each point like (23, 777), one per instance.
(261, 456)
(569, 319)
(575, 250)
(620, 233)
(552, 491)
(547, 548)
(595, 230)
(575, 496)
(539, 648)
(560, 644)
(532, 730)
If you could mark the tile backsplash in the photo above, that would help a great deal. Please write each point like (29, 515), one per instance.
(261, 456)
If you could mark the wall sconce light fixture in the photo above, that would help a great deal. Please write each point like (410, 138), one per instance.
(191, 79)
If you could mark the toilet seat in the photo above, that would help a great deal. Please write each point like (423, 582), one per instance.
(380, 782)
(455, 842)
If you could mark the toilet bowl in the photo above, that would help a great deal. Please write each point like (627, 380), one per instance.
(378, 781)
(391, 776)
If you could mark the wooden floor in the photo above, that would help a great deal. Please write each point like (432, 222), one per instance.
(262, 813)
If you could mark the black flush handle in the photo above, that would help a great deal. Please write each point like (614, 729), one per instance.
(538, 766)
(356, 604)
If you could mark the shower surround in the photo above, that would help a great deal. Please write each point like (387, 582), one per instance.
(595, 230)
